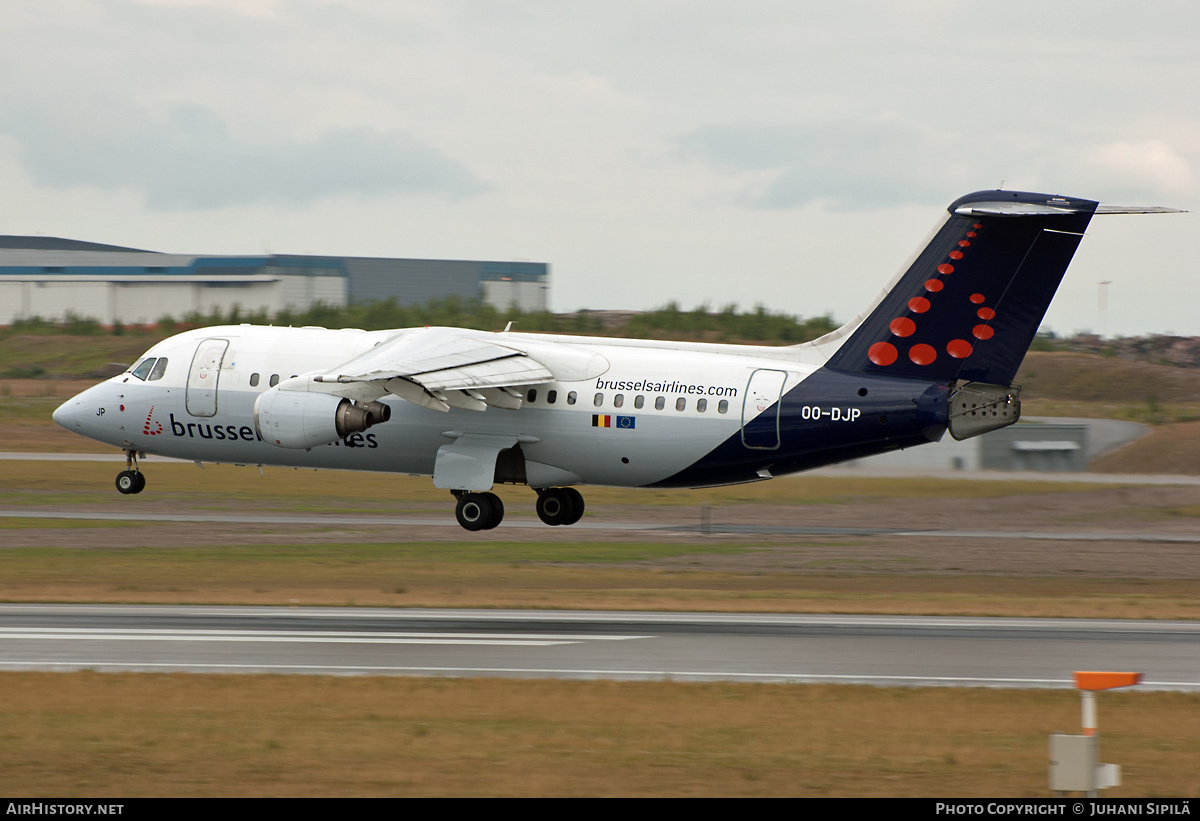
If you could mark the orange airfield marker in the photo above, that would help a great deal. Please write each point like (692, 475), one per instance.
(1105, 681)
(1089, 682)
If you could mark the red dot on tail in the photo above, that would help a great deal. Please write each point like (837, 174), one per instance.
(986, 313)
(945, 268)
(922, 354)
(978, 299)
(933, 285)
(983, 332)
(882, 353)
(918, 305)
(903, 326)
(955, 255)
(959, 348)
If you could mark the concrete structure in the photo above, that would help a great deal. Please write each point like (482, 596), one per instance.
(1046, 444)
(52, 278)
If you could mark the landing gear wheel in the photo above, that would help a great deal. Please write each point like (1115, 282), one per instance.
(577, 503)
(479, 511)
(497, 510)
(130, 481)
(559, 506)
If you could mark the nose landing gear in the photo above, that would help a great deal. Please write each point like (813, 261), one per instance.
(131, 480)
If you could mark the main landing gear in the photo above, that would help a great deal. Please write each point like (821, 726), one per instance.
(559, 505)
(478, 511)
(483, 511)
(131, 480)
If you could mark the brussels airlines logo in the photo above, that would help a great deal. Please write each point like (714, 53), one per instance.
(244, 433)
(147, 430)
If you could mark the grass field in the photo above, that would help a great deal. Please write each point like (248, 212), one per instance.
(600, 575)
(97, 735)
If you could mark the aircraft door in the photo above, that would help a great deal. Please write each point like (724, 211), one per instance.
(760, 410)
(203, 376)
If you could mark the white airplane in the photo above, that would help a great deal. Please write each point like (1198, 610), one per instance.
(937, 350)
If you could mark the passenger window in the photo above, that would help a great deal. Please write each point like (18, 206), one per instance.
(531, 396)
(571, 397)
(599, 400)
(551, 397)
(160, 368)
(681, 404)
(723, 406)
(701, 405)
(619, 400)
(254, 380)
(638, 401)
(660, 403)
(143, 368)
(274, 379)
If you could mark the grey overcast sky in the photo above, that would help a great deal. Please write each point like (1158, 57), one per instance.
(786, 153)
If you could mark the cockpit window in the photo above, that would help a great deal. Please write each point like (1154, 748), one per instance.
(143, 368)
(160, 367)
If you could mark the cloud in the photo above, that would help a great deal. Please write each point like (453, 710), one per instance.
(861, 164)
(186, 157)
(1128, 164)
(848, 164)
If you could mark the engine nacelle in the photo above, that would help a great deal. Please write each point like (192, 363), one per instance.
(299, 419)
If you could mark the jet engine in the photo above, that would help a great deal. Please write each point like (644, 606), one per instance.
(298, 419)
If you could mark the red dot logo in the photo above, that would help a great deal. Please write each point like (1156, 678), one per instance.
(918, 305)
(971, 234)
(986, 313)
(882, 353)
(933, 285)
(945, 268)
(978, 299)
(964, 243)
(959, 348)
(955, 255)
(147, 430)
(983, 332)
(903, 326)
(922, 354)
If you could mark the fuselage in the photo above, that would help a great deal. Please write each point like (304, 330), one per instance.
(650, 414)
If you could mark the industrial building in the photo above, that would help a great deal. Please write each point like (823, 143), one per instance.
(1042, 444)
(51, 278)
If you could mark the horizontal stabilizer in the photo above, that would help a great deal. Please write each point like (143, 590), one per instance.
(1030, 209)
(1136, 209)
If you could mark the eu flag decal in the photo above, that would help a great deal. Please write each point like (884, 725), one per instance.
(604, 420)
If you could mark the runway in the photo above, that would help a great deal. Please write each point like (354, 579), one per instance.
(710, 528)
(881, 650)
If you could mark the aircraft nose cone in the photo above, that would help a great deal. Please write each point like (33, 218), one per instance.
(64, 414)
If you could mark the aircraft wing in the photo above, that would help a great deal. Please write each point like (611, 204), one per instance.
(441, 368)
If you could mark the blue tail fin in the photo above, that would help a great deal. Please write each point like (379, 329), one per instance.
(970, 304)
